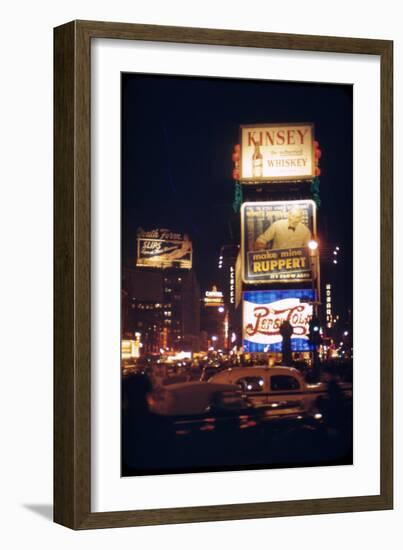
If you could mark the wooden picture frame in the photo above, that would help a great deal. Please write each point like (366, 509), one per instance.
(72, 270)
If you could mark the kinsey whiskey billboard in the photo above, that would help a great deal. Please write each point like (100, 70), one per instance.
(163, 248)
(277, 152)
(265, 311)
(275, 237)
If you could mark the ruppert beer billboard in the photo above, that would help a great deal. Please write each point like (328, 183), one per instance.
(264, 312)
(163, 248)
(275, 238)
(273, 152)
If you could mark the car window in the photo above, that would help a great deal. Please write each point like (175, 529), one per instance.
(251, 383)
(281, 382)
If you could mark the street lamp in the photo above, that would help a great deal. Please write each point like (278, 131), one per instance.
(214, 341)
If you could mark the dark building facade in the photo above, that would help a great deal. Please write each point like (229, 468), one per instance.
(163, 305)
(214, 320)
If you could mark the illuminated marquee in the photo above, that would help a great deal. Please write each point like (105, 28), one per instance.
(265, 311)
(232, 285)
(213, 298)
(130, 349)
(329, 315)
(275, 152)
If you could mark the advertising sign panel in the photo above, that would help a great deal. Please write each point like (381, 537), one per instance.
(275, 152)
(130, 349)
(238, 279)
(275, 238)
(264, 312)
(162, 248)
(213, 298)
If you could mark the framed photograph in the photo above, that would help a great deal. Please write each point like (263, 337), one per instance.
(223, 275)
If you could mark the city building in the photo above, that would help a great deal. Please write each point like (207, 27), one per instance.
(214, 321)
(163, 306)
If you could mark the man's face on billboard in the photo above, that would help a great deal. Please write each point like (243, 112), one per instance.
(294, 217)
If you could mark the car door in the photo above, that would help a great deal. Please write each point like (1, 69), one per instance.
(285, 393)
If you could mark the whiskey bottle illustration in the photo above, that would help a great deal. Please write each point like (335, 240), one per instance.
(257, 162)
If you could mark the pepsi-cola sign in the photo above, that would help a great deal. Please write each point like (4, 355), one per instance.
(265, 311)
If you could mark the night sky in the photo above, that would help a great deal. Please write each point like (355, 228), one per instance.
(178, 135)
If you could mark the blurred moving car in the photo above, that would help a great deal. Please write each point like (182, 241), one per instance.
(188, 397)
(201, 408)
(198, 398)
(280, 387)
(233, 422)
